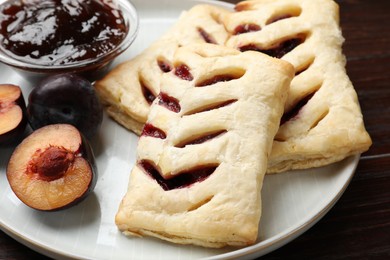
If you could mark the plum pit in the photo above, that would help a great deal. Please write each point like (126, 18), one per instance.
(52, 163)
(53, 168)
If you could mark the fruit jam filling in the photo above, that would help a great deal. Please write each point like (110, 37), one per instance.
(148, 95)
(216, 79)
(152, 131)
(60, 32)
(164, 66)
(295, 110)
(169, 102)
(246, 28)
(201, 139)
(182, 71)
(280, 50)
(181, 180)
(206, 37)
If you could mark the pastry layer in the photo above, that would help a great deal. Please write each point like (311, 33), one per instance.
(203, 152)
(322, 122)
(129, 89)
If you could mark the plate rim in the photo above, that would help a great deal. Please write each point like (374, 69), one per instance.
(256, 250)
(259, 249)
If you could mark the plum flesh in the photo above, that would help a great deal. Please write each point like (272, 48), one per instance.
(12, 114)
(68, 99)
(53, 168)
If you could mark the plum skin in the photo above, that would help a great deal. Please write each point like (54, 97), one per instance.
(26, 168)
(65, 98)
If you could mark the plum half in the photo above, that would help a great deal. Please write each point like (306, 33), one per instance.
(12, 113)
(53, 168)
(67, 99)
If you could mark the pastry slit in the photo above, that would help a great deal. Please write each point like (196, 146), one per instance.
(183, 71)
(280, 48)
(180, 180)
(319, 119)
(169, 102)
(146, 91)
(220, 78)
(152, 131)
(200, 204)
(246, 28)
(199, 139)
(210, 107)
(287, 12)
(295, 110)
(304, 66)
(164, 65)
(206, 36)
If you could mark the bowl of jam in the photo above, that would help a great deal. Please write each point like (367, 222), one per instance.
(43, 37)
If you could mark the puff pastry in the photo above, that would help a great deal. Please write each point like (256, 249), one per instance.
(129, 89)
(202, 154)
(323, 122)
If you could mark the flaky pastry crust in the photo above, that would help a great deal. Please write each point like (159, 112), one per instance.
(232, 103)
(323, 122)
(129, 89)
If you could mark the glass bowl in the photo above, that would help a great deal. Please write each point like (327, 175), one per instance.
(93, 68)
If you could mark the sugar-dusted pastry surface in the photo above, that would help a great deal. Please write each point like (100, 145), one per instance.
(130, 88)
(202, 154)
(322, 121)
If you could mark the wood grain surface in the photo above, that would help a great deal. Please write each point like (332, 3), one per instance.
(358, 226)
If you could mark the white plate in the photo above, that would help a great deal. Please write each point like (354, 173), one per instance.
(292, 202)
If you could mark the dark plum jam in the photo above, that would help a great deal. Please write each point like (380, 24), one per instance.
(183, 72)
(169, 102)
(152, 131)
(60, 32)
(182, 180)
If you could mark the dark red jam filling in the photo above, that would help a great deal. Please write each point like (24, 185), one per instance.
(182, 180)
(169, 102)
(206, 36)
(59, 32)
(152, 131)
(278, 18)
(246, 28)
(216, 79)
(183, 72)
(164, 66)
(201, 139)
(295, 110)
(148, 95)
(277, 52)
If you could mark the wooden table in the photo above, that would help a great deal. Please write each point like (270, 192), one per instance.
(359, 224)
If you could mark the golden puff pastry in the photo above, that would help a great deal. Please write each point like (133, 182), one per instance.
(323, 122)
(130, 88)
(202, 154)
